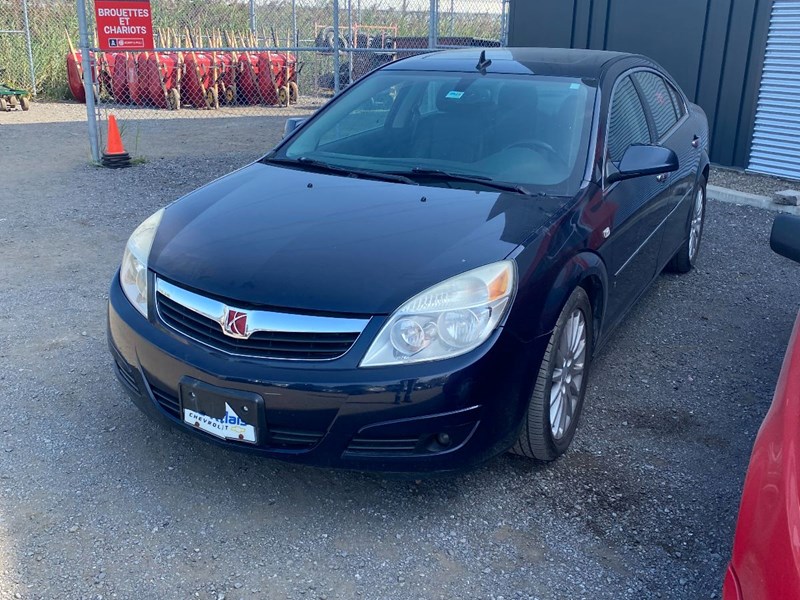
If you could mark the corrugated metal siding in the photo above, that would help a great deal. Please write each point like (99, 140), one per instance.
(776, 137)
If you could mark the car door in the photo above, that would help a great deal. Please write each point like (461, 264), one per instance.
(673, 130)
(632, 250)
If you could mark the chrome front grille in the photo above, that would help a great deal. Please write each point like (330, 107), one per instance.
(269, 334)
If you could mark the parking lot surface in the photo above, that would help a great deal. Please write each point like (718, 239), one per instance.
(97, 501)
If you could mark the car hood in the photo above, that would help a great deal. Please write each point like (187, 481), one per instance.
(285, 238)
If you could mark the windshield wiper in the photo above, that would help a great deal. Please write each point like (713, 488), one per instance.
(438, 174)
(319, 165)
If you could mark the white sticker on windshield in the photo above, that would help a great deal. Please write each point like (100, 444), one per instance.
(454, 95)
(575, 86)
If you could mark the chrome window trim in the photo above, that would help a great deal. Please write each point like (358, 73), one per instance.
(258, 320)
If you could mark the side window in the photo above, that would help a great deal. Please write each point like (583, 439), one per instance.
(677, 100)
(627, 123)
(659, 100)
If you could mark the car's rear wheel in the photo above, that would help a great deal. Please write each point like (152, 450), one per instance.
(684, 259)
(557, 399)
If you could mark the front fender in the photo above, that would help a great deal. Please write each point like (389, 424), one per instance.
(585, 268)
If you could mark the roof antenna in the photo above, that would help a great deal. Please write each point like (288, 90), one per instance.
(483, 64)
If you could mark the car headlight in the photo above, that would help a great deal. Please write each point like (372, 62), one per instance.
(446, 320)
(133, 271)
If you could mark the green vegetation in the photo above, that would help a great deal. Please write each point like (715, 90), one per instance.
(48, 20)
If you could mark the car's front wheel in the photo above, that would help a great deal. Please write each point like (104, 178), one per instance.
(560, 387)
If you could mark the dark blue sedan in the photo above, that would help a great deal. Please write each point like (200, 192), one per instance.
(418, 276)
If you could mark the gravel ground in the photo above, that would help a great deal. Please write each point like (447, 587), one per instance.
(751, 183)
(97, 501)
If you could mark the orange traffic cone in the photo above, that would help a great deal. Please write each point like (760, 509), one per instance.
(115, 156)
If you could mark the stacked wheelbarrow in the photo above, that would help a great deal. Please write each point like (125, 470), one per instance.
(101, 73)
(265, 77)
(203, 79)
(158, 77)
(143, 78)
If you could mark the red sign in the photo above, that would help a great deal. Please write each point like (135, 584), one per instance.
(124, 24)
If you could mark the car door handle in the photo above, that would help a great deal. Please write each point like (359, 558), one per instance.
(662, 177)
(695, 142)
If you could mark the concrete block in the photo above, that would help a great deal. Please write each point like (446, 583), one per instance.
(787, 198)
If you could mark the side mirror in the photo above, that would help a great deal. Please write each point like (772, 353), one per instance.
(785, 237)
(292, 124)
(641, 160)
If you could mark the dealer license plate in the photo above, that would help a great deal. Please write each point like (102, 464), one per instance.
(226, 414)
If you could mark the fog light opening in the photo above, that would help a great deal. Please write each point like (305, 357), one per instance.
(443, 439)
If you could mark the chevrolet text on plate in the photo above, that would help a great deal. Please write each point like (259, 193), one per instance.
(418, 276)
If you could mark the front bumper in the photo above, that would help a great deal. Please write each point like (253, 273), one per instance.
(332, 413)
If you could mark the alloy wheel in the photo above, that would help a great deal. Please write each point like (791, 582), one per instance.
(566, 382)
(697, 224)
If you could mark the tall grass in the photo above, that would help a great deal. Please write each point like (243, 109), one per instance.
(50, 18)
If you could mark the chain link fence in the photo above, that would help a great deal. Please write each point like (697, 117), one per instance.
(219, 58)
(17, 66)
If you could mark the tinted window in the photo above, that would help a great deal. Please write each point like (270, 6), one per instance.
(527, 129)
(677, 100)
(370, 114)
(659, 99)
(628, 124)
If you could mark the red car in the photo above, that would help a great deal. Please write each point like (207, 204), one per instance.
(766, 548)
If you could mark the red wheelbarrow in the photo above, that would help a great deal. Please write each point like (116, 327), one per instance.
(247, 89)
(119, 78)
(198, 86)
(100, 66)
(136, 91)
(224, 68)
(270, 66)
(159, 79)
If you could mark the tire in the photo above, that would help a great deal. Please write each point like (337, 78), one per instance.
(4, 105)
(294, 92)
(25, 103)
(212, 98)
(344, 75)
(685, 258)
(12, 101)
(545, 436)
(174, 99)
(283, 96)
(326, 39)
(230, 95)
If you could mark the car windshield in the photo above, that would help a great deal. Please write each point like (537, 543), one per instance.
(526, 130)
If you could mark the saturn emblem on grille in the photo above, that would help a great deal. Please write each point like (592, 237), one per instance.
(235, 323)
